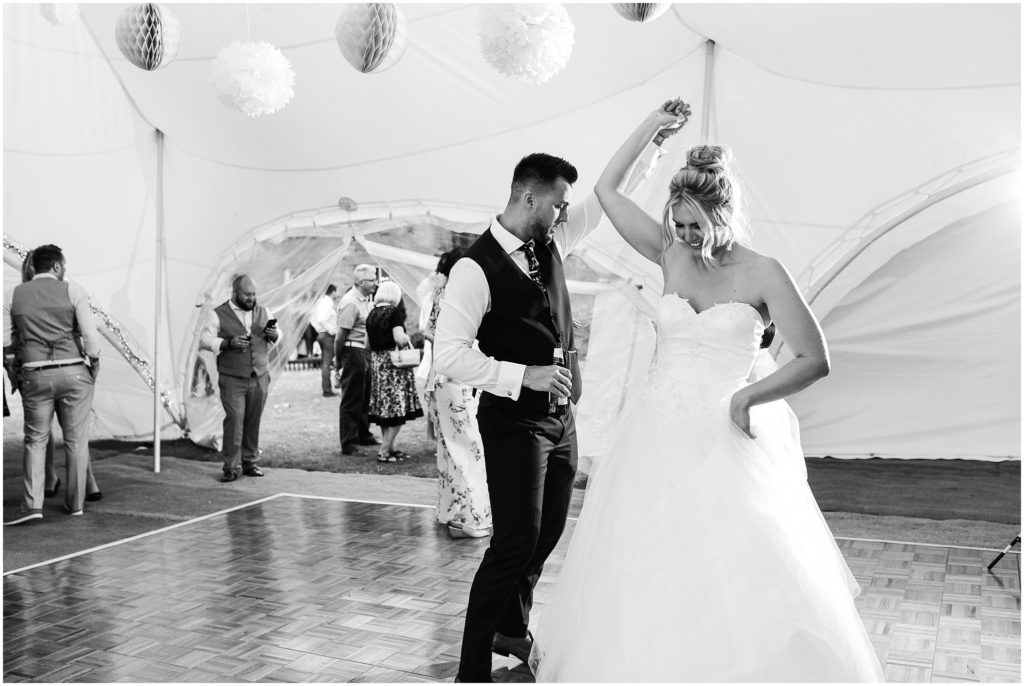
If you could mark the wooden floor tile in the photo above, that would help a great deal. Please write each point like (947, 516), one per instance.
(309, 590)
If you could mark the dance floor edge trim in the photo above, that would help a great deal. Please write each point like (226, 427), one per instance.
(384, 502)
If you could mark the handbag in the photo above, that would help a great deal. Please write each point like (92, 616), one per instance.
(406, 358)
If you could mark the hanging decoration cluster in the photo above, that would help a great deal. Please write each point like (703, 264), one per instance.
(528, 42)
(640, 11)
(371, 36)
(254, 77)
(59, 13)
(148, 35)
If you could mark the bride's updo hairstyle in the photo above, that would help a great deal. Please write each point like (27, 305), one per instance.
(708, 187)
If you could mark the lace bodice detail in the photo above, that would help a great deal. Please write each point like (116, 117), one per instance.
(703, 357)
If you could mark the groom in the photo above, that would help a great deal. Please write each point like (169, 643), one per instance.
(509, 293)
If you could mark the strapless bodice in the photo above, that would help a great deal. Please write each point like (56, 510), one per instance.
(702, 356)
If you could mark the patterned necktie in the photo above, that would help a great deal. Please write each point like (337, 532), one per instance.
(532, 263)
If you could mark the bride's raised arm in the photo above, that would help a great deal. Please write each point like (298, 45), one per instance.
(636, 226)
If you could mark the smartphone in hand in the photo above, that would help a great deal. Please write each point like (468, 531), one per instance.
(271, 323)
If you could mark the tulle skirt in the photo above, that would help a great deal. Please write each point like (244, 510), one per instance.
(701, 556)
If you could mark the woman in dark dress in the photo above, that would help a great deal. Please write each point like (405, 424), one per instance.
(393, 397)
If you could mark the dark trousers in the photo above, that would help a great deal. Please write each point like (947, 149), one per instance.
(531, 466)
(326, 342)
(243, 400)
(353, 420)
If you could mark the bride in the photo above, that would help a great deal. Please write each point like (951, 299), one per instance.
(700, 553)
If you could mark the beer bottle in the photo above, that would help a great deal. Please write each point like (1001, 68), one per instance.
(557, 405)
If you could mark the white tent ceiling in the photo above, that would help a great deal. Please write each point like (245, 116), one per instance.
(832, 111)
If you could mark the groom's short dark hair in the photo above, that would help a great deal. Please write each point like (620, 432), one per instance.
(541, 170)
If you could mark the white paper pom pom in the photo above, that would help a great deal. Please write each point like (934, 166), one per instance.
(58, 13)
(255, 78)
(530, 42)
(371, 36)
(640, 11)
(149, 36)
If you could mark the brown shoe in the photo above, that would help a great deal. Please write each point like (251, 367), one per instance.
(516, 647)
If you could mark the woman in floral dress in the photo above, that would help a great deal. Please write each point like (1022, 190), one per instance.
(462, 500)
(393, 397)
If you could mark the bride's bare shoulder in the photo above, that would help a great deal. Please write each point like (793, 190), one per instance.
(748, 257)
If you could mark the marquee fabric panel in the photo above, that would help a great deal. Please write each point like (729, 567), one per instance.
(834, 113)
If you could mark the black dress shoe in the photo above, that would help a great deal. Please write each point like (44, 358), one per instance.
(229, 476)
(369, 440)
(516, 647)
(330, 395)
(93, 497)
(52, 492)
(252, 470)
(349, 449)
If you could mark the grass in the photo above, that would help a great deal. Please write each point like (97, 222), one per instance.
(300, 431)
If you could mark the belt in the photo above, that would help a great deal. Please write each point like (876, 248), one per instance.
(55, 365)
(350, 344)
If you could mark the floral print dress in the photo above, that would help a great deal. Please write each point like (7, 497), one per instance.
(462, 499)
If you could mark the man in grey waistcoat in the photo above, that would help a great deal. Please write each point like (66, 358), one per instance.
(239, 333)
(56, 358)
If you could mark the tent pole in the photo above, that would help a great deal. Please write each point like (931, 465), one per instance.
(709, 63)
(159, 295)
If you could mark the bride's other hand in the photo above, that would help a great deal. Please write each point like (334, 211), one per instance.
(739, 412)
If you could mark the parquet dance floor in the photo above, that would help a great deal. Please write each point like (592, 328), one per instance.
(296, 588)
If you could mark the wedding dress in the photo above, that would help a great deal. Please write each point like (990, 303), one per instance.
(700, 554)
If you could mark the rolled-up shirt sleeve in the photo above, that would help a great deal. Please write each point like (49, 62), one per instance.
(208, 338)
(586, 216)
(86, 320)
(465, 302)
(643, 167)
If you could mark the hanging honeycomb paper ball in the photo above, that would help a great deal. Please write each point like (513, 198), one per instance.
(371, 36)
(529, 42)
(59, 13)
(640, 11)
(148, 35)
(255, 78)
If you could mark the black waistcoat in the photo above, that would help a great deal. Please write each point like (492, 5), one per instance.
(524, 324)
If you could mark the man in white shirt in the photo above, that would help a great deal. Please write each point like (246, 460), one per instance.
(57, 358)
(325, 322)
(509, 294)
(241, 332)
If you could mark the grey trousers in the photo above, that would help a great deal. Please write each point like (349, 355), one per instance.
(326, 342)
(243, 400)
(66, 392)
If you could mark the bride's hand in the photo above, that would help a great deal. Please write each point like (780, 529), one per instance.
(671, 116)
(739, 412)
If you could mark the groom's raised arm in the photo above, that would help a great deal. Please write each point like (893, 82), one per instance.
(586, 216)
(466, 300)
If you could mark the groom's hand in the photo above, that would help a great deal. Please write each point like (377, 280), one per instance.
(548, 379)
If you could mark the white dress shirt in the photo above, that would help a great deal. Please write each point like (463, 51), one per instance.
(325, 317)
(209, 340)
(467, 296)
